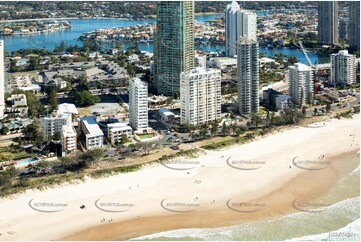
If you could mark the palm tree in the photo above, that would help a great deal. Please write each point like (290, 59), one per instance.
(224, 129)
(315, 111)
(214, 127)
(328, 107)
(255, 120)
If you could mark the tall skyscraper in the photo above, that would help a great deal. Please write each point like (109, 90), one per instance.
(200, 96)
(344, 28)
(327, 22)
(239, 23)
(354, 27)
(301, 84)
(138, 105)
(174, 45)
(343, 68)
(248, 76)
(2, 80)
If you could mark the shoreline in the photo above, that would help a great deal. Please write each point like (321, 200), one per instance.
(279, 201)
(37, 19)
(210, 184)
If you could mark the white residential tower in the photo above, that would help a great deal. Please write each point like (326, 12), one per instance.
(138, 105)
(239, 23)
(301, 84)
(248, 76)
(343, 68)
(200, 96)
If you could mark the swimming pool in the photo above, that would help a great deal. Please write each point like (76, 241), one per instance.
(26, 161)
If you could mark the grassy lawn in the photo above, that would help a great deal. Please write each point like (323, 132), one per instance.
(5, 155)
(31, 73)
(144, 136)
(213, 140)
(5, 143)
(262, 111)
(84, 111)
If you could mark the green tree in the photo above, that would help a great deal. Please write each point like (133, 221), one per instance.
(13, 66)
(35, 106)
(52, 100)
(85, 98)
(292, 60)
(304, 109)
(34, 62)
(315, 111)
(328, 107)
(214, 127)
(33, 132)
(280, 58)
(62, 46)
(224, 129)
(131, 70)
(203, 131)
(91, 156)
(57, 136)
(124, 139)
(255, 119)
(356, 109)
(6, 176)
(4, 130)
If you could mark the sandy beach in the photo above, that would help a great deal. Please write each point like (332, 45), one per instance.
(268, 177)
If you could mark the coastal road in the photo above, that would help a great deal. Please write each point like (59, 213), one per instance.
(336, 106)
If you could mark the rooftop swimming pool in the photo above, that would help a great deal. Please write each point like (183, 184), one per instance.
(26, 161)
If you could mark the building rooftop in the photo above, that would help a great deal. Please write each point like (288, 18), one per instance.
(67, 108)
(68, 130)
(233, 6)
(92, 126)
(138, 82)
(200, 70)
(121, 128)
(301, 67)
(90, 119)
(243, 40)
(117, 125)
(93, 71)
(226, 59)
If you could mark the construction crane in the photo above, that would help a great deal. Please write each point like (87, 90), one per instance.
(313, 66)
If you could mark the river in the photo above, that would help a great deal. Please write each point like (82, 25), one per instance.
(70, 36)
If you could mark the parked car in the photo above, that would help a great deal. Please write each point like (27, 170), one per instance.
(174, 147)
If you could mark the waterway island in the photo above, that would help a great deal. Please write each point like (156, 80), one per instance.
(33, 27)
(143, 33)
